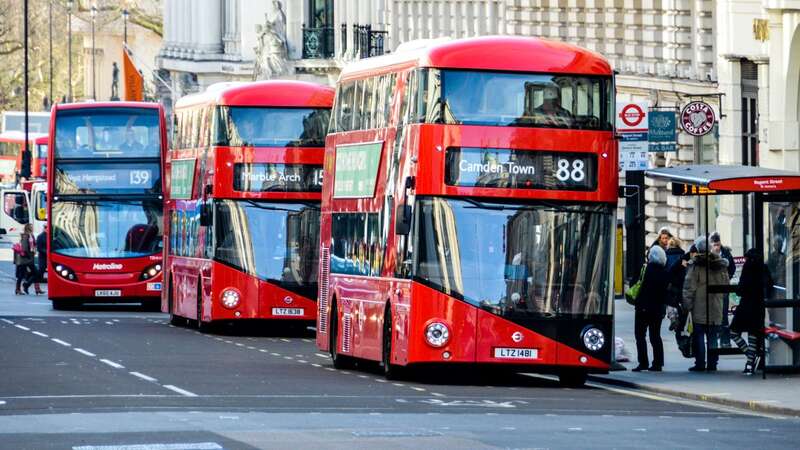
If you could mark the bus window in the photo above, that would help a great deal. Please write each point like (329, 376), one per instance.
(274, 127)
(15, 205)
(41, 205)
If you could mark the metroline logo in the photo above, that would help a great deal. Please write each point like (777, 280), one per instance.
(107, 266)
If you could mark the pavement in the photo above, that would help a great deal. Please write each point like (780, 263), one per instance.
(779, 393)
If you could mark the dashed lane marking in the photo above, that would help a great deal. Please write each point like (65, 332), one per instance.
(112, 364)
(59, 341)
(84, 352)
(22, 327)
(177, 446)
(703, 430)
(286, 340)
(143, 376)
(321, 355)
(39, 333)
(7, 321)
(183, 392)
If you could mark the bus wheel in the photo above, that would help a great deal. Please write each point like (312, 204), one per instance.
(339, 361)
(572, 378)
(173, 319)
(390, 371)
(61, 305)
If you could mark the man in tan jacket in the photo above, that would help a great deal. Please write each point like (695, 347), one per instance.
(705, 268)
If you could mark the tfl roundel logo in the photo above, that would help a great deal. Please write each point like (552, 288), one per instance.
(288, 300)
(517, 336)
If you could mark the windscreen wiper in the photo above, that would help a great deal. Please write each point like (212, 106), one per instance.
(269, 207)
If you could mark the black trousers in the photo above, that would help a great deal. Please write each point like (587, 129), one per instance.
(644, 323)
(27, 273)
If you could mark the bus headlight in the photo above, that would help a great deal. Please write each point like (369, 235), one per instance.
(593, 338)
(437, 334)
(150, 272)
(65, 272)
(230, 298)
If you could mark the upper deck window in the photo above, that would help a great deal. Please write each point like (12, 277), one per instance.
(516, 99)
(272, 127)
(108, 133)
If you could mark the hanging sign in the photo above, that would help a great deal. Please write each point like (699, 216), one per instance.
(697, 118)
(661, 131)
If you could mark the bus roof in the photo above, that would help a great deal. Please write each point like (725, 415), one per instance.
(280, 93)
(19, 136)
(92, 105)
(502, 53)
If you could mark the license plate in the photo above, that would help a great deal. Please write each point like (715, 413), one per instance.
(108, 293)
(516, 353)
(287, 311)
(153, 286)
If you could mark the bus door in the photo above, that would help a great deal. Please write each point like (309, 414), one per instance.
(15, 213)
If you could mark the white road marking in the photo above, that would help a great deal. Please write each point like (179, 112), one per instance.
(115, 320)
(180, 391)
(263, 350)
(178, 446)
(640, 429)
(275, 354)
(108, 322)
(703, 430)
(764, 430)
(250, 347)
(112, 364)
(436, 394)
(288, 357)
(59, 341)
(64, 322)
(39, 333)
(322, 355)
(7, 321)
(380, 380)
(344, 372)
(418, 389)
(575, 429)
(21, 327)
(302, 361)
(360, 376)
(84, 352)
(398, 384)
(2, 402)
(285, 340)
(307, 340)
(330, 370)
(316, 365)
(143, 376)
(239, 344)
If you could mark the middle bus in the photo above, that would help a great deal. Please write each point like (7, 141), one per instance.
(244, 180)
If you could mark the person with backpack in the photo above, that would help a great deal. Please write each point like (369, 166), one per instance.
(24, 257)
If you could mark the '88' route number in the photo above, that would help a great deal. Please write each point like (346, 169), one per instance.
(570, 173)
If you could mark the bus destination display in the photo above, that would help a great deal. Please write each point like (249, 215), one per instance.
(277, 177)
(520, 169)
(107, 178)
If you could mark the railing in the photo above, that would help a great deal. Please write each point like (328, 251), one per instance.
(317, 42)
(367, 42)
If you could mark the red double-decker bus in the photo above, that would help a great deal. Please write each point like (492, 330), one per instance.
(244, 181)
(12, 145)
(468, 209)
(105, 211)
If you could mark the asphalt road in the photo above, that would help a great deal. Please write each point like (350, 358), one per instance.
(122, 378)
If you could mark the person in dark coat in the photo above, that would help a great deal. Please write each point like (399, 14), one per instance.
(676, 272)
(650, 310)
(755, 285)
(41, 249)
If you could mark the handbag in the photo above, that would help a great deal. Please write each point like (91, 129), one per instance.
(633, 292)
(17, 248)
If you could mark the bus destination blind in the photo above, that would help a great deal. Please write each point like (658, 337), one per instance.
(107, 178)
(277, 177)
(520, 169)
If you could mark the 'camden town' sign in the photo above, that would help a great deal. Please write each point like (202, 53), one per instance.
(697, 118)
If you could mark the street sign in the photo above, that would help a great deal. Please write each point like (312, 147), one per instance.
(698, 118)
(661, 131)
(632, 127)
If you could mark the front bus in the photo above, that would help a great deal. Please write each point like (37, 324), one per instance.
(105, 217)
(470, 217)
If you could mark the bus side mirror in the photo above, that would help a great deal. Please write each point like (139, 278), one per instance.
(402, 222)
(3, 231)
(206, 219)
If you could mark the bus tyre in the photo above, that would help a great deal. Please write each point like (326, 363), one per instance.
(390, 371)
(572, 378)
(339, 361)
(61, 305)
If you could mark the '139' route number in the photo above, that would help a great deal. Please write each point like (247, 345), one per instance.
(567, 172)
(140, 177)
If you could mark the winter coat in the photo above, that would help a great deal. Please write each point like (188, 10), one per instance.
(676, 273)
(653, 291)
(727, 256)
(695, 286)
(28, 245)
(754, 286)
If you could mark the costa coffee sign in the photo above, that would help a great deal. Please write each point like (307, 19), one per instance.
(697, 118)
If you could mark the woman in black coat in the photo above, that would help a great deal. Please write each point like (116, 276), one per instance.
(650, 310)
(755, 283)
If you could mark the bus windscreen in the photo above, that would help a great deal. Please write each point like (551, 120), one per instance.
(108, 133)
(272, 127)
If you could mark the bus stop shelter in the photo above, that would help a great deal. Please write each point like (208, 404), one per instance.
(776, 234)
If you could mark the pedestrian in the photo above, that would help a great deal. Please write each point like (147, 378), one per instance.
(41, 250)
(24, 257)
(725, 253)
(676, 272)
(650, 309)
(755, 285)
(704, 269)
(663, 238)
